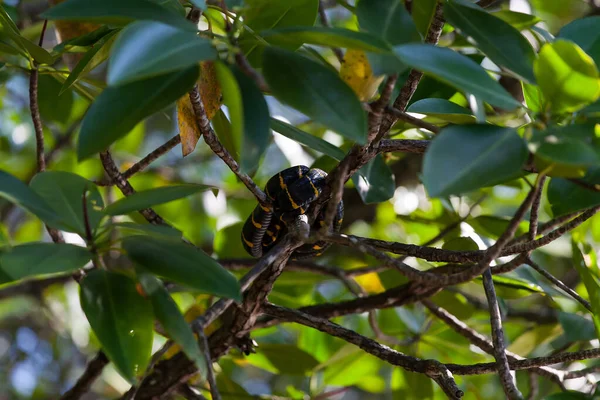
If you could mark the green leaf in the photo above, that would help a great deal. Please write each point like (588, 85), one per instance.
(584, 258)
(116, 12)
(460, 244)
(150, 229)
(533, 97)
(121, 319)
(518, 20)
(169, 316)
(498, 40)
(566, 196)
(465, 158)
(422, 14)
(456, 70)
(151, 197)
(119, 109)
(513, 288)
(20, 194)
(493, 226)
(567, 76)
(53, 105)
(280, 355)
(306, 139)
(316, 91)
(566, 151)
(387, 19)
(183, 264)
(39, 54)
(39, 259)
(584, 32)
(93, 56)
(63, 191)
(147, 49)
(263, 15)
(331, 37)
(569, 395)
(442, 111)
(375, 181)
(576, 327)
(257, 133)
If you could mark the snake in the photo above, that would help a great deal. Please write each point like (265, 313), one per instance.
(291, 192)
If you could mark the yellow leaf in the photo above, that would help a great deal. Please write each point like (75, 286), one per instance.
(370, 282)
(210, 93)
(357, 73)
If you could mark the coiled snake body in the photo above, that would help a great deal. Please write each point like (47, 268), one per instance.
(291, 191)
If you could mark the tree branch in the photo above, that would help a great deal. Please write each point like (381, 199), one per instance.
(431, 368)
(85, 381)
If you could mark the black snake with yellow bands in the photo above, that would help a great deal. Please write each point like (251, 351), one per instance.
(291, 192)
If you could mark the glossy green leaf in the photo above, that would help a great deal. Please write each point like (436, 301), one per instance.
(38, 259)
(518, 20)
(567, 76)
(465, 158)
(387, 19)
(151, 197)
(264, 15)
(584, 260)
(422, 13)
(441, 111)
(306, 139)
(89, 59)
(147, 49)
(316, 91)
(105, 122)
(584, 32)
(121, 319)
(116, 12)
(566, 196)
(336, 37)
(169, 316)
(498, 40)
(566, 151)
(256, 120)
(375, 181)
(63, 191)
(456, 70)
(149, 229)
(20, 194)
(232, 98)
(53, 106)
(182, 263)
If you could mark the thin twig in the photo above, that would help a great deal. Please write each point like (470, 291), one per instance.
(378, 106)
(85, 381)
(558, 283)
(125, 187)
(414, 77)
(508, 384)
(325, 22)
(431, 368)
(34, 108)
(215, 145)
(210, 375)
(403, 116)
(480, 340)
